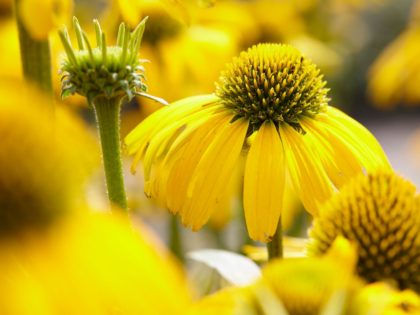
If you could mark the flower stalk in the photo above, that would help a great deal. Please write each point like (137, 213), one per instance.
(107, 76)
(107, 113)
(36, 58)
(275, 246)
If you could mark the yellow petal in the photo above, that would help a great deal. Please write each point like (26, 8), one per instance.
(181, 162)
(340, 162)
(213, 172)
(172, 116)
(264, 183)
(356, 137)
(308, 176)
(41, 16)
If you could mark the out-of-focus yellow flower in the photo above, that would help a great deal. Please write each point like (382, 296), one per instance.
(233, 18)
(295, 286)
(175, 49)
(190, 148)
(42, 16)
(277, 20)
(395, 76)
(133, 11)
(380, 213)
(380, 299)
(174, 73)
(95, 264)
(6, 4)
(306, 285)
(10, 64)
(43, 166)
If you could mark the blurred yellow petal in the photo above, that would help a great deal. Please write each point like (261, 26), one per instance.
(381, 299)
(264, 183)
(42, 172)
(394, 76)
(95, 264)
(42, 16)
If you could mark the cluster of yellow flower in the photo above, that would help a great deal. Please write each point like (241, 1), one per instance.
(266, 126)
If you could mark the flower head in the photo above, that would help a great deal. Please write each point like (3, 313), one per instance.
(271, 105)
(107, 72)
(380, 213)
(272, 83)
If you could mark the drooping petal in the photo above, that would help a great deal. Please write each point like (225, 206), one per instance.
(173, 116)
(180, 164)
(308, 176)
(340, 163)
(163, 140)
(213, 173)
(264, 183)
(356, 137)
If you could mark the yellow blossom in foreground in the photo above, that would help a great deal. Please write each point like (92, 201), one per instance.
(380, 299)
(272, 99)
(380, 213)
(293, 286)
(96, 264)
(44, 165)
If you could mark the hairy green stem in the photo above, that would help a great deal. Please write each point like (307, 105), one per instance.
(275, 247)
(35, 57)
(108, 118)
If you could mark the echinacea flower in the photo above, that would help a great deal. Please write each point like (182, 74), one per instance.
(42, 172)
(90, 264)
(270, 104)
(293, 286)
(380, 298)
(380, 213)
(41, 17)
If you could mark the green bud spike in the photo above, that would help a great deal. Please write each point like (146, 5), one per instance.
(78, 31)
(113, 71)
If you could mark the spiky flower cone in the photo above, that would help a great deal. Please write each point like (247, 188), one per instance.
(380, 213)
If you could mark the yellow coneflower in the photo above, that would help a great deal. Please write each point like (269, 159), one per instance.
(394, 75)
(306, 285)
(293, 286)
(274, 100)
(380, 213)
(381, 299)
(50, 14)
(90, 264)
(42, 173)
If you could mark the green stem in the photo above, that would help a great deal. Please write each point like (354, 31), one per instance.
(108, 118)
(275, 247)
(36, 58)
(175, 241)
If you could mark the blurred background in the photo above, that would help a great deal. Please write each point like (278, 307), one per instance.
(368, 50)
